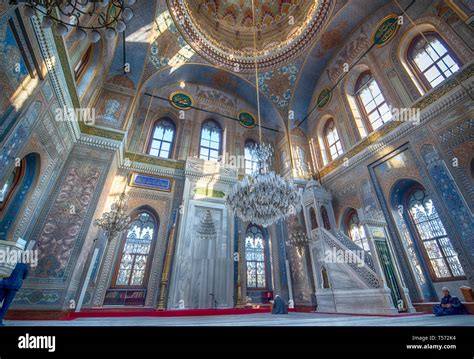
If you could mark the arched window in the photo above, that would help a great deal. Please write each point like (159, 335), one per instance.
(371, 102)
(134, 261)
(255, 257)
(324, 215)
(14, 191)
(162, 138)
(313, 219)
(436, 246)
(431, 59)
(251, 163)
(356, 231)
(10, 183)
(211, 141)
(82, 63)
(331, 141)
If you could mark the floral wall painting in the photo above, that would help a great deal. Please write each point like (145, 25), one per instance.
(111, 109)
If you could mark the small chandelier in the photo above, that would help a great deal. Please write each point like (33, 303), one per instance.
(87, 16)
(264, 198)
(116, 220)
(297, 239)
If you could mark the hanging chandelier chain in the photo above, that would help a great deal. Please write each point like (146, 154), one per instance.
(83, 15)
(256, 72)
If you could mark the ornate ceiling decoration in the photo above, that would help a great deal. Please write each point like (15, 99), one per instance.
(222, 30)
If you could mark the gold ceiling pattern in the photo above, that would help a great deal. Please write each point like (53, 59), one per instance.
(222, 31)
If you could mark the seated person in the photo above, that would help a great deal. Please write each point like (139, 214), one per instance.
(10, 286)
(449, 305)
(279, 306)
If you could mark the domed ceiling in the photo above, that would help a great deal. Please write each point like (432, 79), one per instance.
(222, 31)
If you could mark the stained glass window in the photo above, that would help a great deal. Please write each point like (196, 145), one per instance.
(372, 102)
(136, 250)
(162, 139)
(211, 138)
(255, 257)
(412, 256)
(356, 231)
(436, 244)
(432, 59)
(332, 141)
(251, 163)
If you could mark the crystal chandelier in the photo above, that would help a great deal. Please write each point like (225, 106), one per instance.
(263, 198)
(87, 16)
(116, 220)
(297, 239)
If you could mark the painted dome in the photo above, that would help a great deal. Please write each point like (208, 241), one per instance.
(222, 31)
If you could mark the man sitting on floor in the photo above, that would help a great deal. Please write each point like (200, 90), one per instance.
(449, 305)
(279, 306)
(10, 286)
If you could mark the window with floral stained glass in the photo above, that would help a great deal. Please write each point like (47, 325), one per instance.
(134, 260)
(356, 231)
(255, 257)
(411, 251)
(162, 140)
(432, 59)
(211, 141)
(436, 244)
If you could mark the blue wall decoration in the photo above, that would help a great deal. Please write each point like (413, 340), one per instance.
(150, 182)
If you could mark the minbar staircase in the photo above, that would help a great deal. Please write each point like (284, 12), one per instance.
(354, 288)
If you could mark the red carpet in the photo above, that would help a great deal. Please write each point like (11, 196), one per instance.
(149, 312)
(110, 313)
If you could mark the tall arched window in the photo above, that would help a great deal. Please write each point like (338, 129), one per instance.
(210, 145)
(14, 191)
(134, 261)
(255, 257)
(313, 218)
(431, 59)
(10, 183)
(251, 163)
(324, 215)
(371, 102)
(331, 141)
(437, 248)
(162, 138)
(82, 64)
(356, 231)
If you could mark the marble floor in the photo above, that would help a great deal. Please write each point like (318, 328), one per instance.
(261, 319)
